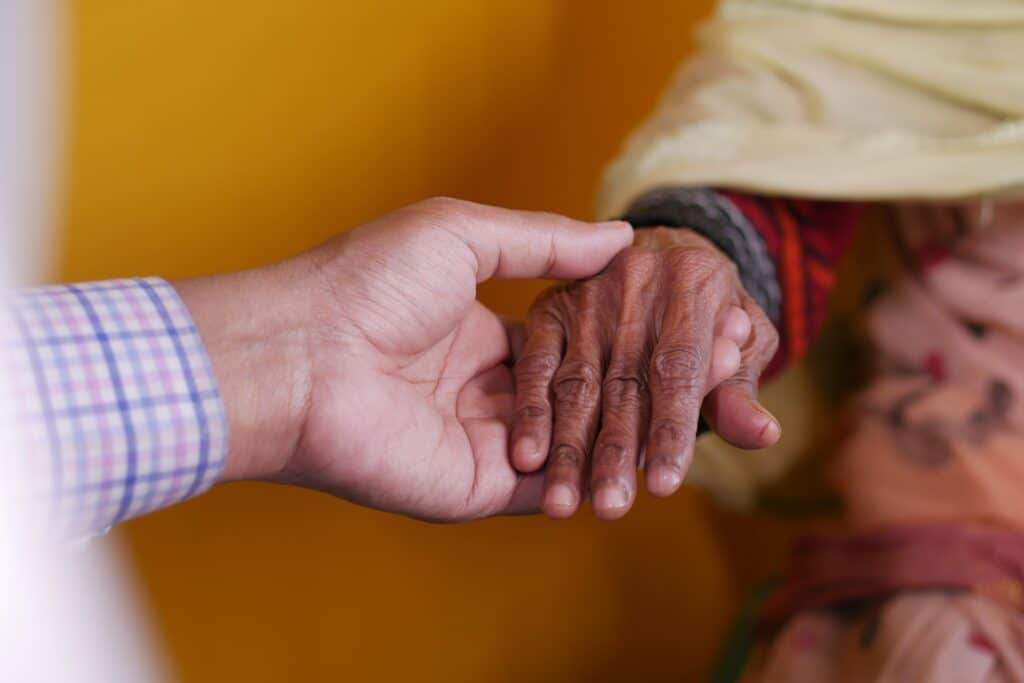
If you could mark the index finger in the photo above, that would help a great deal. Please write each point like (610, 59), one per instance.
(534, 372)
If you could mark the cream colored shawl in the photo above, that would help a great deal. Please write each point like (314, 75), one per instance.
(845, 99)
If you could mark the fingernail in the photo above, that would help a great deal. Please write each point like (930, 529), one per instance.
(771, 431)
(611, 498)
(664, 481)
(561, 496)
(526, 450)
(613, 225)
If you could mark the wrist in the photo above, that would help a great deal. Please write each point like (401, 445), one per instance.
(254, 334)
(717, 218)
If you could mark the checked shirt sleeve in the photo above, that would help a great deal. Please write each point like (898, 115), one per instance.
(116, 399)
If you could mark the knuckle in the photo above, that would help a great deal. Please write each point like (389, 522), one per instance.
(566, 455)
(633, 260)
(532, 411)
(625, 389)
(765, 339)
(441, 205)
(536, 368)
(667, 430)
(577, 383)
(679, 365)
(693, 262)
(613, 455)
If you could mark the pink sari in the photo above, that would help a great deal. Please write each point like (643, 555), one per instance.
(927, 584)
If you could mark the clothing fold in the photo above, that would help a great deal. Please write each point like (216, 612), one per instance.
(840, 100)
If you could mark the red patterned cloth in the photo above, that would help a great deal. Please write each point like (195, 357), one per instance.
(806, 240)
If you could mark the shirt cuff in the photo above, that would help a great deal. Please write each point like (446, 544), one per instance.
(117, 400)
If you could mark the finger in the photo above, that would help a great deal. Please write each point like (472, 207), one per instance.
(577, 391)
(734, 324)
(534, 373)
(734, 413)
(491, 347)
(489, 395)
(496, 488)
(731, 332)
(527, 495)
(525, 244)
(725, 361)
(515, 330)
(679, 373)
(732, 408)
(625, 412)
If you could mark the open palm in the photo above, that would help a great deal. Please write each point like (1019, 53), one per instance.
(410, 397)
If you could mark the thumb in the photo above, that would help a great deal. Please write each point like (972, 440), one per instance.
(733, 411)
(525, 244)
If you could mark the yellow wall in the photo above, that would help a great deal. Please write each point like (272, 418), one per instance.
(220, 135)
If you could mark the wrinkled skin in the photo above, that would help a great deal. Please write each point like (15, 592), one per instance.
(366, 368)
(616, 370)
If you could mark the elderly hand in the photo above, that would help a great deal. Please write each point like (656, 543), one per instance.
(616, 368)
(366, 368)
